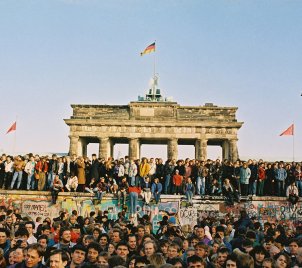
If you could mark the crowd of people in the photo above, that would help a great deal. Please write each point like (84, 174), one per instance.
(151, 177)
(98, 242)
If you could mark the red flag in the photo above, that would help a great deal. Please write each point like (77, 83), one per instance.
(289, 131)
(12, 128)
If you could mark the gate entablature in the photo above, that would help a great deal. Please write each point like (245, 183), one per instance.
(154, 122)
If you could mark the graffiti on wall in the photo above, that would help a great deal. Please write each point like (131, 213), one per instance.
(194, 215)
(34, 209)
(156, 212)
(264, 210)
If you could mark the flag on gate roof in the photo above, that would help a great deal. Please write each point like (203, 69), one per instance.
(149, 49)
(289, 131)
(12, 128)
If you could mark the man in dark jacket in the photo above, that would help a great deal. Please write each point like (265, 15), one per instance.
(94, 169)
(52, 171)
(4, 240)
(33, 257)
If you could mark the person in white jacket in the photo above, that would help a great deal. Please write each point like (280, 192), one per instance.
(30, 170)
(292, 194)
(72, 184)
(146, 190)
(132, 172)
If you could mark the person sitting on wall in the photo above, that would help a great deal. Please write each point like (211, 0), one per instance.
(215, 188)
(146, 190)
(228, 192)
(156, 190)
(100, 189)
(72, 184)
(57, 187)
(292, 194)
(122, 191)
(112, 186)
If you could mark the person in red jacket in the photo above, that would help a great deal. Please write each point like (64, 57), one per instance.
(261, 178)
(177, 182)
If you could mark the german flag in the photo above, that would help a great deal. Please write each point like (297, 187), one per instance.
(148, 49)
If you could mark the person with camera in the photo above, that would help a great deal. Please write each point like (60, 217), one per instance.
(20, 239)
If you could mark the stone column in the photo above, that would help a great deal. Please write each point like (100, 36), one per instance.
(83, 147)
(198, 149)
(173, 148)
(233, 150)
(201, 149)
(104, 147)
(134, 149)
(111, 148)
(73, 146)
(226, 150)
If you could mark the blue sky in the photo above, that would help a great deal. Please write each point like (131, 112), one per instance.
(232, 53)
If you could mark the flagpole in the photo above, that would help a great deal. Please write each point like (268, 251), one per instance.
(293, 141)
(154, 62)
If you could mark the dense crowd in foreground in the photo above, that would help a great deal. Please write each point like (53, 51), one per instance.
(151, 177)
(98, 242)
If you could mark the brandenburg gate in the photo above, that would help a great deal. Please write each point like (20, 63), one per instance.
(154, 122)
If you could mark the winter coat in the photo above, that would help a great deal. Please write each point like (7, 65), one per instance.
(245, 174)
(81, 171)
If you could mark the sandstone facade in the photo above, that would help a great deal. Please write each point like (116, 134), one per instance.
(154, 123)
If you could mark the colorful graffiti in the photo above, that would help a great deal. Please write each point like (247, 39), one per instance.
(156, 212)
(263, 210)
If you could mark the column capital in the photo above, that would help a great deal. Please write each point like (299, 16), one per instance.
(133, 139)
(72, 136)
(173, 140)
(103, 139)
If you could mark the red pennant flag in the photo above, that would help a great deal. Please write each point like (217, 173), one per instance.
(12, 128)
(289, 131)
